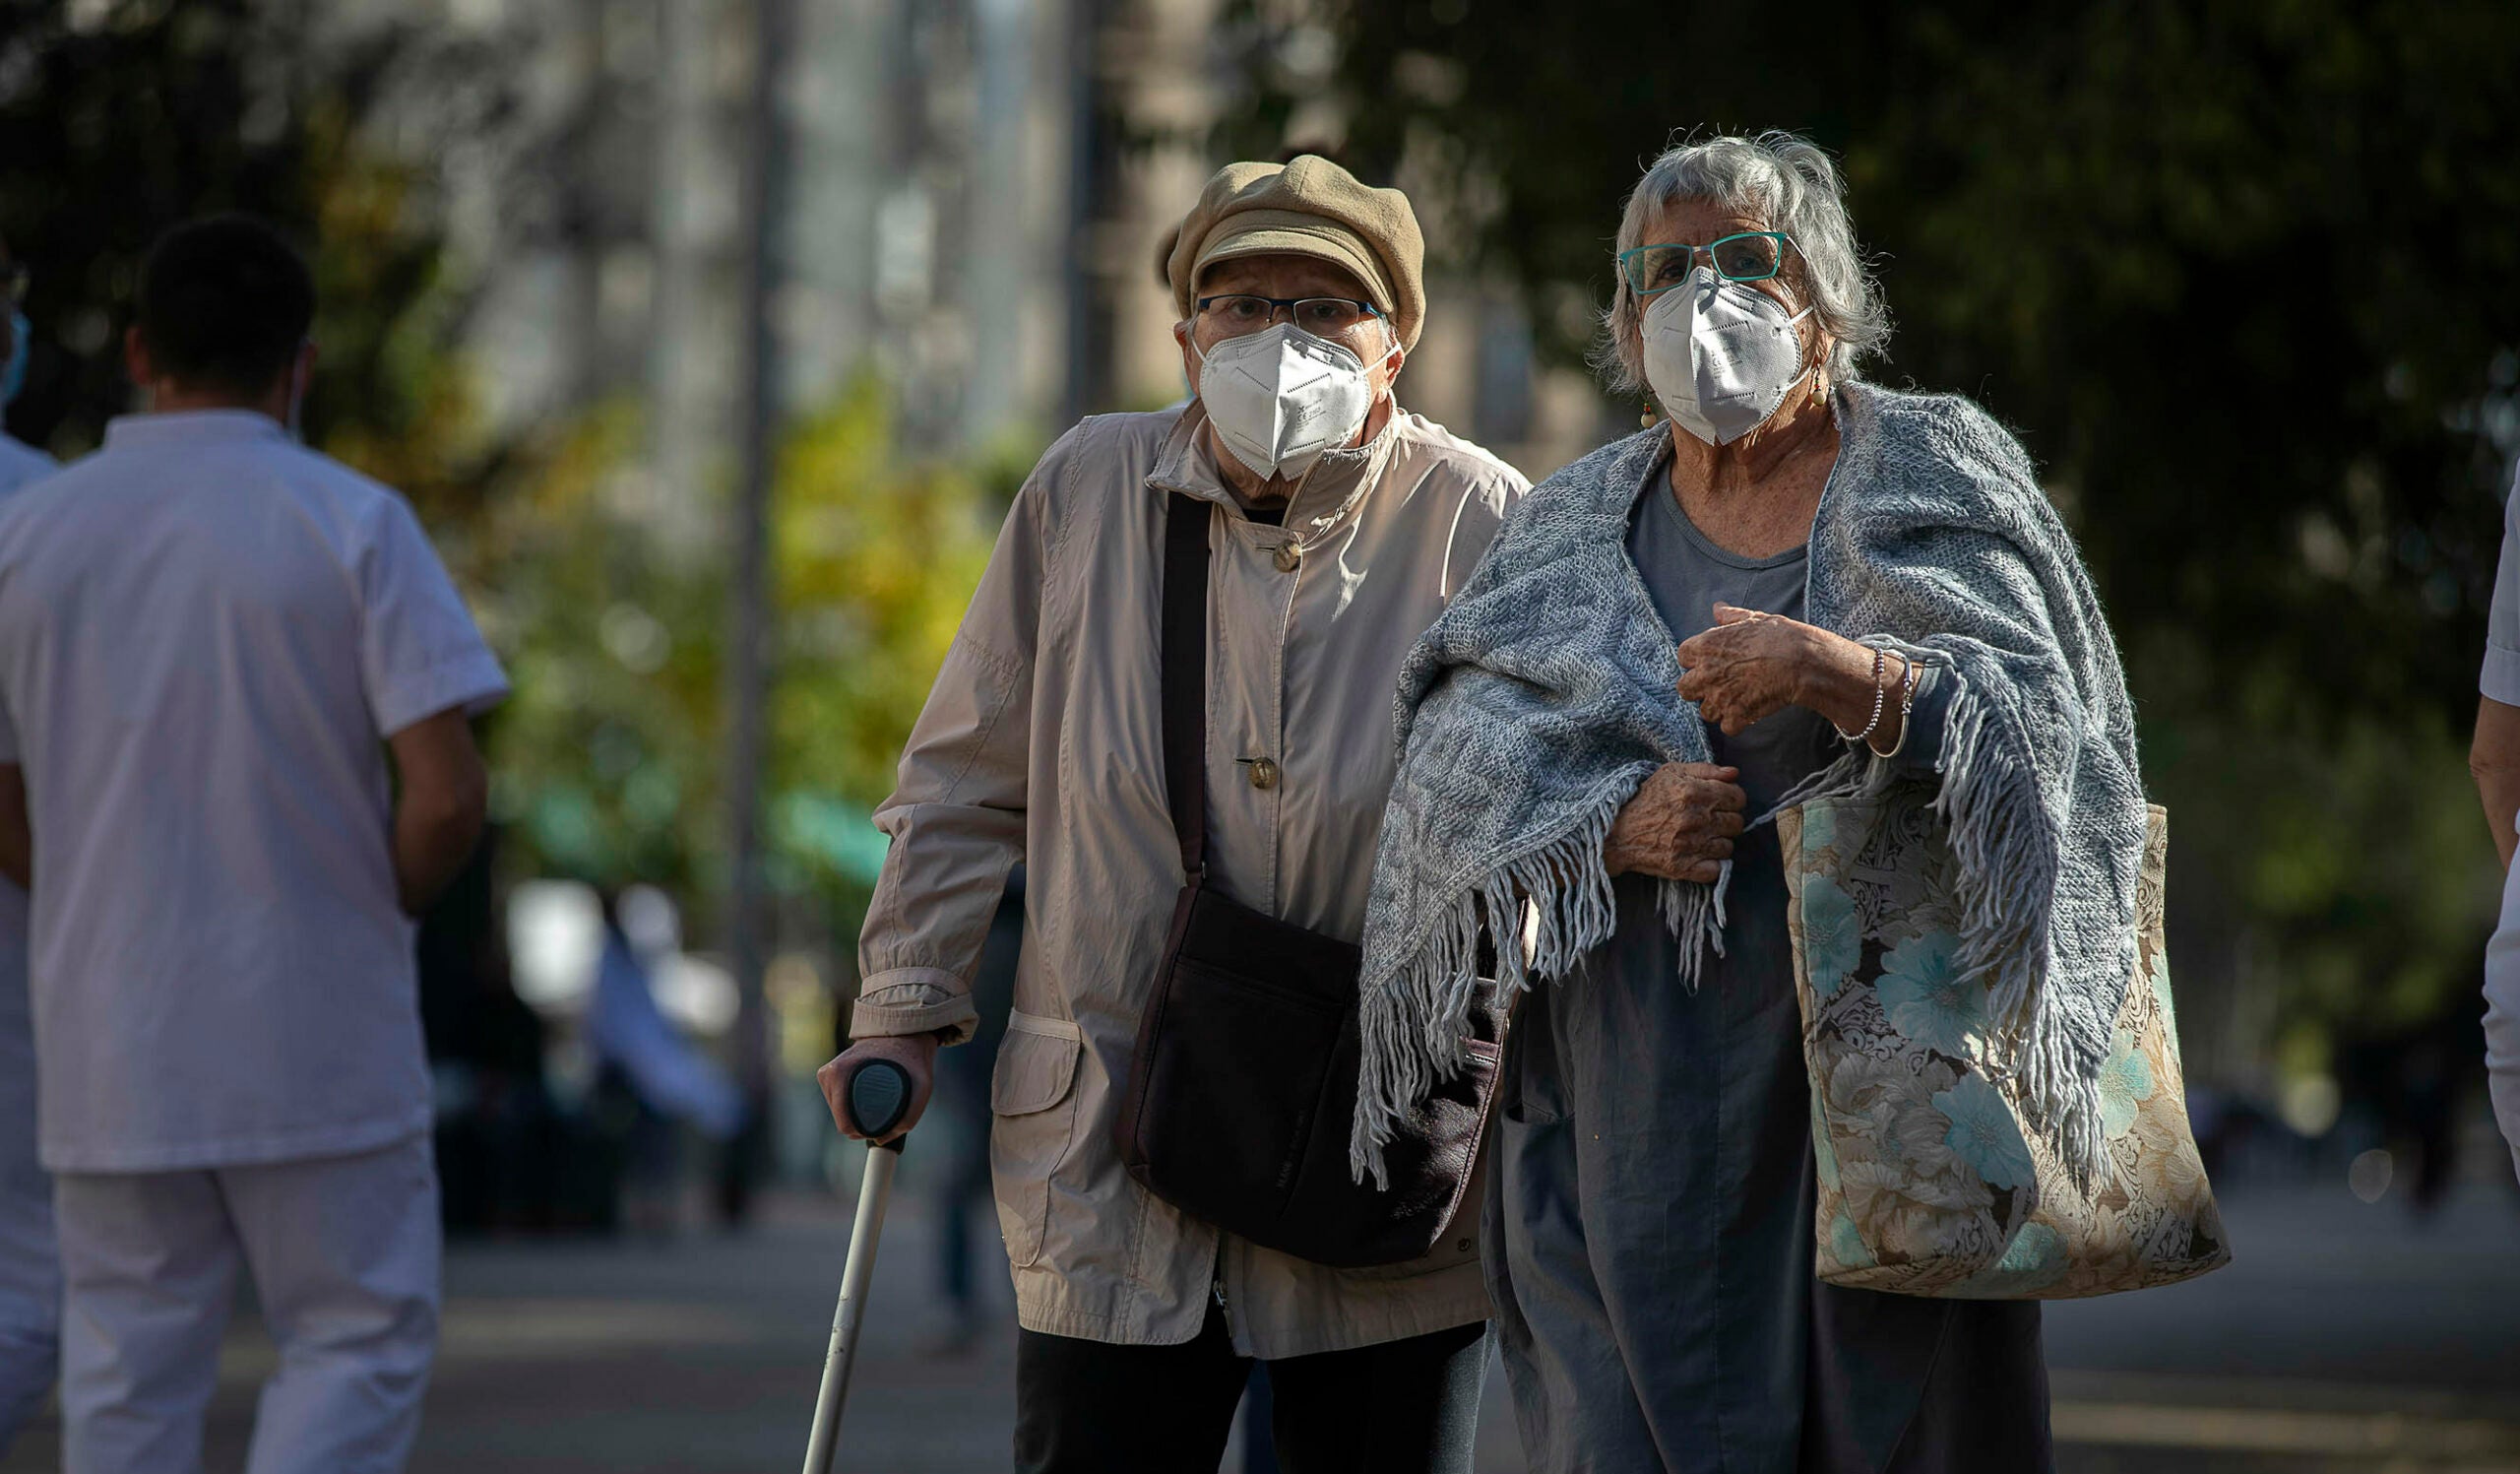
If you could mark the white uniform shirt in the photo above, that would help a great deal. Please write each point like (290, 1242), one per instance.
(30, 1284)
(2500, 680)
(20, 462)
(206, 633)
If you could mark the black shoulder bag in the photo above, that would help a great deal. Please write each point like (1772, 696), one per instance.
(1244, 1080)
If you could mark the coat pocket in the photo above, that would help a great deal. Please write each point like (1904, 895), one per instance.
(1033, 1096)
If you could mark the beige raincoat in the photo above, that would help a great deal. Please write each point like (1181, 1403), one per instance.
(1043, 741)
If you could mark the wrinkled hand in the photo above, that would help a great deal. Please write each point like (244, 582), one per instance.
(915, 1053)
(1749, 665)
(1680, 824)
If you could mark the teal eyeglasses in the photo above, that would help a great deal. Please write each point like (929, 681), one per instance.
(1751, 256)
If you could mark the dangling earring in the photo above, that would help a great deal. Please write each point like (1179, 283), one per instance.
(1645, 421)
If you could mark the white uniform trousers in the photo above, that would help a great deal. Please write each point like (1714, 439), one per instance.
(29, 1274)
(344, 1252)
(2502, 1017)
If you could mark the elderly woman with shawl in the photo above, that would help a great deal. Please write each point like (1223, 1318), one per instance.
(1797, 584)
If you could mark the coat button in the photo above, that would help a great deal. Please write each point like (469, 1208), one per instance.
(1290, 558)
(1264, 774)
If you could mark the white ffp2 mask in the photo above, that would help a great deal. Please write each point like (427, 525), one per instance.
(1282, 396)
(1720, 356)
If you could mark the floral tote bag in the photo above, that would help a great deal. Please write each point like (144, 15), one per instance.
(1929, 1185)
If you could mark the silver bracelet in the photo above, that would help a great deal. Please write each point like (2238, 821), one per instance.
(1907, 704)
(1880, 697)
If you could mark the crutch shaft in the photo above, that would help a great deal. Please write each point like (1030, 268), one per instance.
(850, 1316)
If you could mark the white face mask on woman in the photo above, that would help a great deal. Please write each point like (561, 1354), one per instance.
(1721, 355)
(1282, 396)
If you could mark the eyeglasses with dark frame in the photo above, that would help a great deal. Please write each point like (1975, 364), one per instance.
(1240, 312)
(1749, 256)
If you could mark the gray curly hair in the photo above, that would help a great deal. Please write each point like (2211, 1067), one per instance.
(1793, 187)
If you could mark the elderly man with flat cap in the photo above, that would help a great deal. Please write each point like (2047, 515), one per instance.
(1336, 525)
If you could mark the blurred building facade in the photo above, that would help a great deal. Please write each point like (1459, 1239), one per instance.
(973, 196)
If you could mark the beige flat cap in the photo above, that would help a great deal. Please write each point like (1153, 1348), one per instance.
(1310, 207)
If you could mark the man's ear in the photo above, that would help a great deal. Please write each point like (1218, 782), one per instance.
(1395, 358)
(135, 359)
(1189, 358)
(295, 386)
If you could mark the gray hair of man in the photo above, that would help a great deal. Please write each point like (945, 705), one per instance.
(1791, 184)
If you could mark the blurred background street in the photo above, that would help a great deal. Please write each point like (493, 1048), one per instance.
(2347, 1338)
(710, 338)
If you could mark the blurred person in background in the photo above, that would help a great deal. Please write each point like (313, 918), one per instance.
(29, 1273)
(19, 462)
(962, 1091)
(649, 1079)
(211, 639)
(497, 1129)
(1337, 525)
(1865, 586)
(2494, 759)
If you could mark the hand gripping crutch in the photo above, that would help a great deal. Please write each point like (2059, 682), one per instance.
(876, 1097)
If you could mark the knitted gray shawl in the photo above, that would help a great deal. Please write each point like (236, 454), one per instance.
(1543, 697)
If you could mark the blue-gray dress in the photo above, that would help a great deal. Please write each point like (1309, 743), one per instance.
(1648, 1225)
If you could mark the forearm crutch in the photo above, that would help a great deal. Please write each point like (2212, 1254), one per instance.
(876, 1095)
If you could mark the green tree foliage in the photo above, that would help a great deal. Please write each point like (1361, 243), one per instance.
(603, 760)
(610, 754)
(2246, 280)
(118, 121)
(875, 556)
(119, 118)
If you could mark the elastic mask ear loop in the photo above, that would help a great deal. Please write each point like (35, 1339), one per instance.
(1297, 490)
(1756, 431)
(1809, 366)
(1812, 365)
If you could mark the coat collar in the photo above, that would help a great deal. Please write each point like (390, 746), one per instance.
(1328, 499)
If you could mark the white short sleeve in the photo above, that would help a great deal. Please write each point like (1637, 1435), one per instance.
(419, 651)
(2501, 679)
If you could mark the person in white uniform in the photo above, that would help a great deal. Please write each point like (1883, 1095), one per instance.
(29, 1273)
(210, 638)
(2496, 762)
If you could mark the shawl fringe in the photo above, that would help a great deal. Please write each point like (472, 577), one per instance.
(1541, 911)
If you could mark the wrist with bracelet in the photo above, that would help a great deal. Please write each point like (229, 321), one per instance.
(1881, 703)
(1907, 704)
(1880, 698)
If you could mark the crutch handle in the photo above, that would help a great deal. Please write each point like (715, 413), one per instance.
(878, 1097)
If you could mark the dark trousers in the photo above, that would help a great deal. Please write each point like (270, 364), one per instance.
(1404, 1407)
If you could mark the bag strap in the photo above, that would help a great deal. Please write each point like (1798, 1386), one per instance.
(1185, 676)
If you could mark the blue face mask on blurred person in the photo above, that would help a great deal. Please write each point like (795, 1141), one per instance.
(13, 374)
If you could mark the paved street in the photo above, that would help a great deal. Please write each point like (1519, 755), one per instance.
(2345, 1338)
